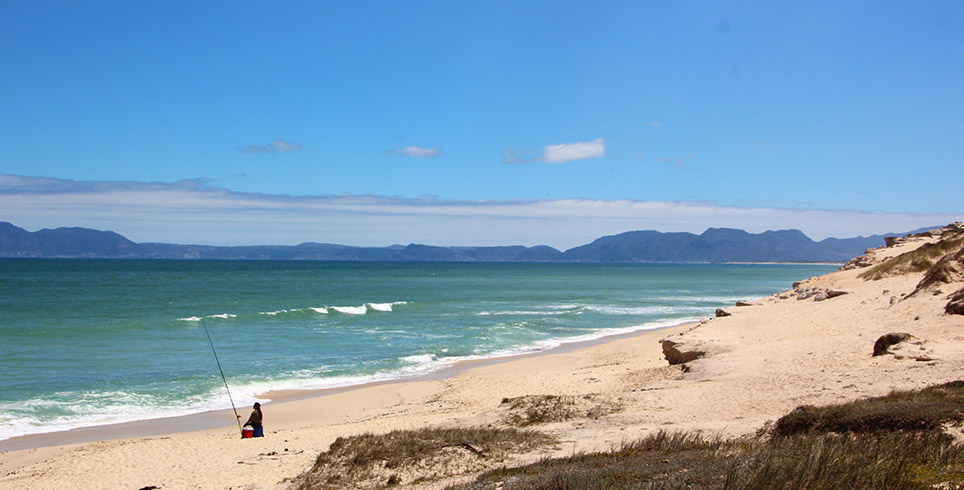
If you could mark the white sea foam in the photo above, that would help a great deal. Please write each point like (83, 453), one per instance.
(524, 313)
(418, 358)
(574, 309)
(565, 306)
(273, 313)
(319, 381)
(324, 310)
(729, 299)
(197, 318)
(222, 315)
(385, 306)
(552, 343)
(644, 310)
(91, 409)
(350, 310)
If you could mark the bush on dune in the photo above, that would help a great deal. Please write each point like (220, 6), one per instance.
(926, 409)
(376, 461)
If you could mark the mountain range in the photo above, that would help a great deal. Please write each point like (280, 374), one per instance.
(713, 245)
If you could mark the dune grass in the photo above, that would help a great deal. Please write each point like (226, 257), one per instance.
(892, 442)
(383, 460)
(918, 410)
(525, 411)
(898, 460)
(915, 261)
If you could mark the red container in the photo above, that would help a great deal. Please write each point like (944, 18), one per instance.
(247, 432)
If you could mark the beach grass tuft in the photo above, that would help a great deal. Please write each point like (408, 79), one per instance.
(384, 460)
(524, 411)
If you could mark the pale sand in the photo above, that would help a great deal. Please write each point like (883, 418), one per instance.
(762, 361)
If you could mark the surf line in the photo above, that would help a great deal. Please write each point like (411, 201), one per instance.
(222, 375)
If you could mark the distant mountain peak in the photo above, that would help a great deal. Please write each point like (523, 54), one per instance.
(713, 245)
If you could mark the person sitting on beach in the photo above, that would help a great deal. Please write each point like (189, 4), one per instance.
(255, 420)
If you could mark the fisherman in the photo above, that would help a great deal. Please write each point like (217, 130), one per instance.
(255, 420)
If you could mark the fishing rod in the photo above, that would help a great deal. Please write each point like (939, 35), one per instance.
(222, 374)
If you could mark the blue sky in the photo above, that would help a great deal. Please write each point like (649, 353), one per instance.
(455, 123)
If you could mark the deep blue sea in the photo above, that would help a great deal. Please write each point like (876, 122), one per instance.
(89, 342)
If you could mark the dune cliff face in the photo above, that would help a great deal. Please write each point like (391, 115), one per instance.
(941, 260)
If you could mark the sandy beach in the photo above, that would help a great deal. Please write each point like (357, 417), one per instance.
(773, 354)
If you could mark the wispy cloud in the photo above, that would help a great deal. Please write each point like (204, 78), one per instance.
(276, 146)
(286, 146)
(560, 153)
(676, 161)
(417, 152)
(520, 156)
(192, 211)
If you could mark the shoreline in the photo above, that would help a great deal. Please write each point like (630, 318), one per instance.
(224, 418)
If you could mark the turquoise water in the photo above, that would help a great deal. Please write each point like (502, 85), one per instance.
(88, 342)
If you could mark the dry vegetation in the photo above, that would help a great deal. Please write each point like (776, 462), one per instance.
(916, 261)
(901, 460)
(377, 461)
(529, 410)
(927, 409)
(811, 448)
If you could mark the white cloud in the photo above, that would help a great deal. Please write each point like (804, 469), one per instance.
(286, 146)
(191, 211)
(417, 152)
(568, 152)
(561, 153)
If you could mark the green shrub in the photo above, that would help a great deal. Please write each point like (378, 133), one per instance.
(925, 409)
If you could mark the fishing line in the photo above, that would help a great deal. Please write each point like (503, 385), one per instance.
(222, 373)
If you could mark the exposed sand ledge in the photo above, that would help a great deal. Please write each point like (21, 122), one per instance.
(761, 362)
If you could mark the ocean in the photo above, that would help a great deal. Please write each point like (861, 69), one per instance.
(92, 342)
